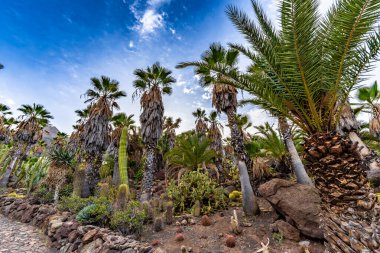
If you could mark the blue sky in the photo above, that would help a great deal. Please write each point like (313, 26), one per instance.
(51, 49)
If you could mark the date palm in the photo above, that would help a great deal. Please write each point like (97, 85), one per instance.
(201, 121)
(305, 72)
(95, 137)
(150, 84)
(224, 99)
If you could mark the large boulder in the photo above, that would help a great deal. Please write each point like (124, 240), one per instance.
(299, 204)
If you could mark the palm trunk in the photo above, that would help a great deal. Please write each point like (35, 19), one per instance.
(349, 209)
(56, 194)
(297, 165)
(147, 182)
(249, 199)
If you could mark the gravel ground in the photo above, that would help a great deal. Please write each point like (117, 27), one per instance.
(17, 237)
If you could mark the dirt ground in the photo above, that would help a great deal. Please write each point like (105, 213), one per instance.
(211, 239)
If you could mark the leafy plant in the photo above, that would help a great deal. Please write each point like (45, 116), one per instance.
(196, 186)
(191, 151)
(96, 213)
(131, 220)
(74, 204)
(33, 171)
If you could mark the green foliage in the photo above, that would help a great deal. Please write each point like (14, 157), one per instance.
(96, 213)
(196, 186)
(62, 157)
(43, 195)
(123, 159)
(73, 204)
(191, 151)
(369, 94)
(279, 237)
(107, 166)
(131, 220)
(32, 171)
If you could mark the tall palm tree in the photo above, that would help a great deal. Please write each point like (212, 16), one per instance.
(95, 136)
(215, 135)
(305, 72)
(150, 84)
(201, 121)
(4, 133)
(224, 99)
(33, 119)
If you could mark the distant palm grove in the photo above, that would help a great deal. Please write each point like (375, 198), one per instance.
(310, 73)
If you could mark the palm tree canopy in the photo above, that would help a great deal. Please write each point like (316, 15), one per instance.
(4, 110)
(243, 122)
(200, 114)
(154, 76)
(307, 69)
(104, 89)
(217, 58)
(369, 94)
(35, 113)
(123, 120)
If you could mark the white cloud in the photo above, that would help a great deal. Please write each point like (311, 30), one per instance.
(131, 44)
(206, 96)
(149, 22)
(157, 2)
(180, 81)
(172, 30)
(188, 90)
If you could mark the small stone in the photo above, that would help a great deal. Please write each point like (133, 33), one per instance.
(179, 237)
(246, 224)
(177, 223)
(179, 230)
(230, 241)
(192, 222)
(184, 222)
(205, 221)
(89, 235)
(220, 235)
(204, 236)
(155, 242)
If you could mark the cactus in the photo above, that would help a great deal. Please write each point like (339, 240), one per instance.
(148, 210)
(122, 197)
(158, 226)
(169, 213)
(235, 228)
(123, 194)
(196, 210)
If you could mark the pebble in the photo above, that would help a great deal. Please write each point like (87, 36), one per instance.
(17, 237)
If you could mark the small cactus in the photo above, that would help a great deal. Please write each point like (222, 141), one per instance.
(148, 210)
(169, 213)
(196, 209)
(158, 226)
(122, 197)
(235, 228)
(230, 241)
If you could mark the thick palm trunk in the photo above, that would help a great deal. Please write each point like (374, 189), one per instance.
(297, 165)
(147, 182)
(350, 210)
(249, 198)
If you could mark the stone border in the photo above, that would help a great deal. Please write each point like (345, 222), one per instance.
(65, 233)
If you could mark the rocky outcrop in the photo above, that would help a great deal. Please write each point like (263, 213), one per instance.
(299, 204)
(65, 233)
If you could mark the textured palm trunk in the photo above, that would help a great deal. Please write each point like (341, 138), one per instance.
(147, 182)
(350, 210)
(16, 156)
(297, 165)
(56, 194)
(249, 198)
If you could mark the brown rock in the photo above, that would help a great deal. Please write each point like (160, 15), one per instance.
(179, 237)
(288, 230)
(205, 221)
(155, 242)
(298, 203)
(72, 236)
(89, 235)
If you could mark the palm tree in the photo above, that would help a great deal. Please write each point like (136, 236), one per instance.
(4, 133)
(224, 99)
(29, 130)
(1, 66)
(201, 121)
(95, 136)
(215, 135)
(370, 97)
(169, 128)
(305, 73)
(243, 124)
(150, 84)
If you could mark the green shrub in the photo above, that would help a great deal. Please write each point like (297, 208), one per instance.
(196, 186)
(131, 220)
(43, 195)
(96, 213)
(73, 204)
(66, 190)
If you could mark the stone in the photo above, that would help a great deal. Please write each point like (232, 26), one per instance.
(205, 221)
(179, 237)
(155, 242)
(159, 250)
(92, 246)
(72, 236)
(288, 231)
(192, 222)
(184, 222)
(296, 202)
(89, 235)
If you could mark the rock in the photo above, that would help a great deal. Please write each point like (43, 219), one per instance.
(179, 237)
(300, 203)
(192, 222)
(179, 230)
(155, 242)
(92, 246)
(230, 241)
(288, 231)
(159, 250)
(89, 235)
(205, 221)
(184, 222)
(158, 226)
(72, 236)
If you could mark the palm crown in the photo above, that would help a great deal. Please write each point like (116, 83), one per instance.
(35, 113)
(306, 70)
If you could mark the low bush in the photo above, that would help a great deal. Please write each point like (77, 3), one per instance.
(196, 186)
(97, 212)
(73, 204)
(131, 220)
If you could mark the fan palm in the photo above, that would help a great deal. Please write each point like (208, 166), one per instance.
(4, 133)
(150, 84)
(224, 99)
(169, 128)
(305, 72)
(94, 137)
(215, 135)
(243, 124)
(201, 121)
